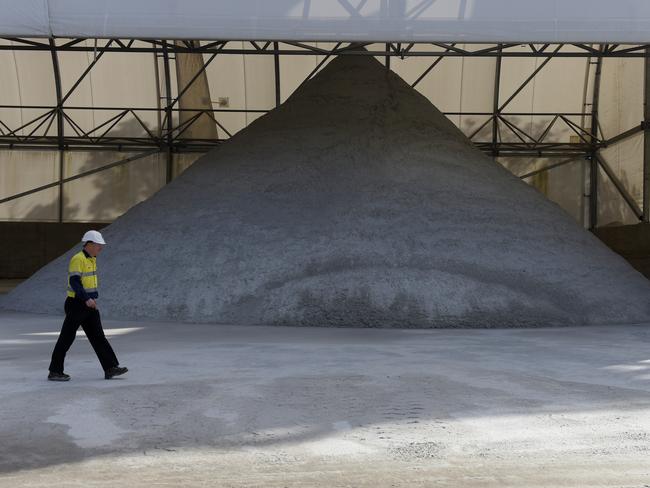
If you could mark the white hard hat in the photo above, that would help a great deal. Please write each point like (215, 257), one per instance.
(93, 236)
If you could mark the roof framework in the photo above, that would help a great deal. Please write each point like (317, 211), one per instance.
(172, 138)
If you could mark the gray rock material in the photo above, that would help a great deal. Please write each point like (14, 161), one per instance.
(355, 203)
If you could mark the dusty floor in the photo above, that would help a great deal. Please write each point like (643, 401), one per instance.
(287, 407)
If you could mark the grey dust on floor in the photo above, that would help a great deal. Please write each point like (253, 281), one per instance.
(252, 406)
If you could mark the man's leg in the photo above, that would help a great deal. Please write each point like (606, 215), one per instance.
(73, 318)
(92, 326)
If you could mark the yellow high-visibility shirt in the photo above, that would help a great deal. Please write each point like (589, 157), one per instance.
(85, 267)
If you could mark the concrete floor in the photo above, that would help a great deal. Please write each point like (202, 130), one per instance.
(287, 407)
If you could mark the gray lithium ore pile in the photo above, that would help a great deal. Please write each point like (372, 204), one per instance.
(355, 203)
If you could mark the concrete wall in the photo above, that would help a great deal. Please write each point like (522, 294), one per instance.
(27, 246)
(630, 241)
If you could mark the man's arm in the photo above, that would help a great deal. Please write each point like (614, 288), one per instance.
(75, 283)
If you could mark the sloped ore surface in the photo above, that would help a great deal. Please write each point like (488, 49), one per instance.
(355, 203)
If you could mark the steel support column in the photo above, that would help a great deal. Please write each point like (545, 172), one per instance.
(646, 140)
(593, 161)
(495, 104)
(276, 66)
(59, 123)
(168, 115)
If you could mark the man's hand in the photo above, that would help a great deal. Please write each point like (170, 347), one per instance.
(90, 303)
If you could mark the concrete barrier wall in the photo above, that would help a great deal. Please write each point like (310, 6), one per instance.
(27, 246)
(630, 241)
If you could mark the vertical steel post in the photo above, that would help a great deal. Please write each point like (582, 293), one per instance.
(387, 56)
(276, 60)
(585, 168)
(59, 122)
(168, 113)
(495, 104)
(646, 139)
(593, 162)
(158, 94)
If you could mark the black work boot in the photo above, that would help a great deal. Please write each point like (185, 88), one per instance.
(114, 371)
(58, 376)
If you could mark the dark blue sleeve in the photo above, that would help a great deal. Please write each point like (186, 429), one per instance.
(75, 283)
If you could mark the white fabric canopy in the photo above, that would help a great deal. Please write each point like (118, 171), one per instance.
(623, 21)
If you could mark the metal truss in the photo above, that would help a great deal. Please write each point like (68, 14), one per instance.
(507, 137)
(390, 49)
(99, 137)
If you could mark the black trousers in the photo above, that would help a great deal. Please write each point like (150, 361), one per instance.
(78, 314)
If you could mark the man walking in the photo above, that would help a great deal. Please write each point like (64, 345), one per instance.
(81, 310)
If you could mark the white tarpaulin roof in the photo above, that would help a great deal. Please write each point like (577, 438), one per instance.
(622, 21)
